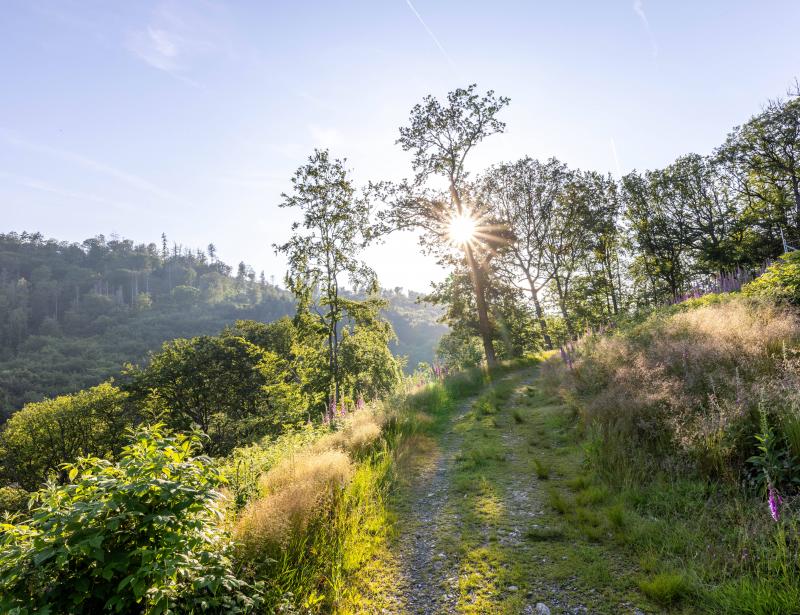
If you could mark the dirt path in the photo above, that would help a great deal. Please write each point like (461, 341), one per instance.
(428, 580)
(478, 530)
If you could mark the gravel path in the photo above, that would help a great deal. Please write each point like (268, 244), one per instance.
(428, 581)
(427, 578)
(451, 554)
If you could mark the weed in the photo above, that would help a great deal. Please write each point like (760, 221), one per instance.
(542, 469)
(591, 495)
(558, 502)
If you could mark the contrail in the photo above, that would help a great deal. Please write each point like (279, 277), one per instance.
(127, 178)
(638, 8)
(431, 34)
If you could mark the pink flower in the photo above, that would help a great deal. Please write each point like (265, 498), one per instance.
(775, 502)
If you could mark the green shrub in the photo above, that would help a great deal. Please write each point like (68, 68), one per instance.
(781, 280)
(234, 390)
(43, 435)
(141, 535)
(13, 499)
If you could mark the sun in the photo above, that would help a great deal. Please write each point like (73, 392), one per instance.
(461, 229)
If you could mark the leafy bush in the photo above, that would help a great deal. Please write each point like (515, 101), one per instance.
(144, 534)
(235, 391)
(781, 280)
(13, 499)
(43, 435)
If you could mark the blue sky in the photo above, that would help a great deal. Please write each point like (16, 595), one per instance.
(189, 117)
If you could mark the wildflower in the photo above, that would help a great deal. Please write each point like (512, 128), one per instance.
(330, 414)
(775, 502)
(342, 409)
(359, 403)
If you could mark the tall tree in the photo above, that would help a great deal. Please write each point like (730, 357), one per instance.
(764, 156)
(324, 249)
(440, 136)
(524, 194)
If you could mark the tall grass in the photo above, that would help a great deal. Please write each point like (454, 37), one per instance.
(689, 415)
(681, 390)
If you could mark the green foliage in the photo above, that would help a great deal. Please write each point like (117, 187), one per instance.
(76, 323)
(336, 227)
(459, 351)
(72, 314)
(232, 389)
(38, 439)
(780, 281)
(144, 534)
(13, 499)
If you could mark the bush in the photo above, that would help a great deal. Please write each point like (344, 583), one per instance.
(43, 435)
(13, 499)
(780, 281)
(235, 391)
(144, 534)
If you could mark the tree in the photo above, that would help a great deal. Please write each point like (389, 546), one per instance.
(524, 194)
(38, 439)
(233, 390)
(763, 156)
(323, 251)
(659, 235)
(440, 136)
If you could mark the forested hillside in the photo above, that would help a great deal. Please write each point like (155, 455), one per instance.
(72, 314)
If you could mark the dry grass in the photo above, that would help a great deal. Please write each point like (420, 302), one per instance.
(297, 491)
(683, 387)
(357, 434)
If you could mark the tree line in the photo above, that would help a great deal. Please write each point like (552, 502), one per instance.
(72, 314)
(553, 250)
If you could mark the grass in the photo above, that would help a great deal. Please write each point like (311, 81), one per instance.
(542, 469)
(541, 534)
(666, 588)
(673, 544)
(315, 509)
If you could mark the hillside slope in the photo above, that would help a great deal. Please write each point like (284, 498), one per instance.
(71, 315)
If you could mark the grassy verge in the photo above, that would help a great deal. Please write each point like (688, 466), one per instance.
(687, 420)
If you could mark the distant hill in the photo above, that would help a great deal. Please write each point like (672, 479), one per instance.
(71, 314)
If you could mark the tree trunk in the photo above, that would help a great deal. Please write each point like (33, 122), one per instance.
(548, 343)
(477, 284)
(483, 312)
(562, 304)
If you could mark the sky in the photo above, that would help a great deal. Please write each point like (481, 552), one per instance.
(189, 117)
